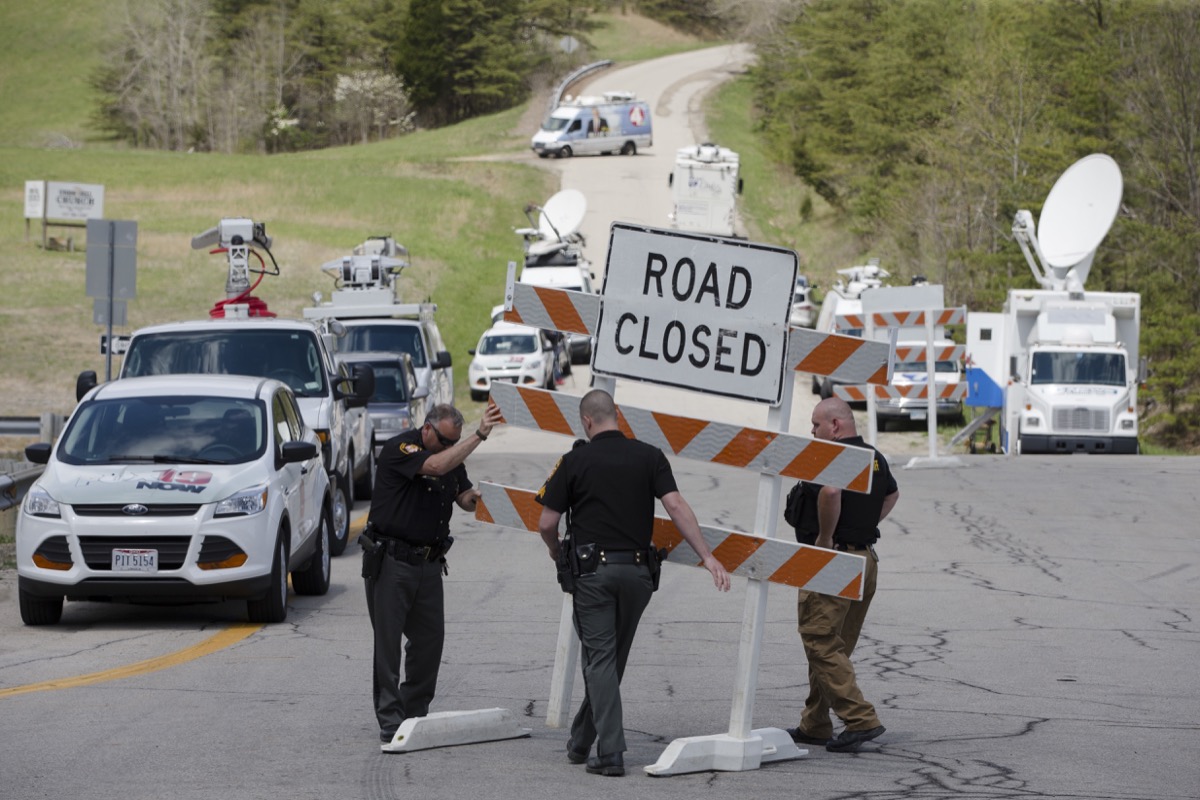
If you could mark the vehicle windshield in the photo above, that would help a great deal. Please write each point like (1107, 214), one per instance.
(180, 429)
(384, 338)
(1080, 368)
(390, 386)
(556, 123)
(289, 356)
(919, 366)
(505, 344)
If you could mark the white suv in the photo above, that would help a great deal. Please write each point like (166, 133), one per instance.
(293, 351)
(177, 489)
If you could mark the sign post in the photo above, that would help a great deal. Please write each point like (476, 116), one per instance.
(111, 276)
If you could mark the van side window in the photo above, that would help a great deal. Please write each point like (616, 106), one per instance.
(575, 126)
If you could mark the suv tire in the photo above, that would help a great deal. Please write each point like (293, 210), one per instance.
(314, 578)
(343, 503)
(273, 607)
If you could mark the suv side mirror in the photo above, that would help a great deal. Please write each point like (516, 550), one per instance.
(84, 383)
(38, 453)
(442, 361)
(364, 386)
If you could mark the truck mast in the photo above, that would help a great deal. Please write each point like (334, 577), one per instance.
(235, 237)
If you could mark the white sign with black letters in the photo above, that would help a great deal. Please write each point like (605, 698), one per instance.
(695, 311)
(74, 201)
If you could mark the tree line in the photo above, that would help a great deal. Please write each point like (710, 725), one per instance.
(927, 125)
(277, 75)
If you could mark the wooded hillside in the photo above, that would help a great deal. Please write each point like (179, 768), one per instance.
(928, 125)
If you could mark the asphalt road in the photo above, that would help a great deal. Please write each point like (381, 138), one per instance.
(1034, 636)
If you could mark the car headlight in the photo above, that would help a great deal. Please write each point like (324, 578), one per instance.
(244, 503)
(39, 503)
(533, 364)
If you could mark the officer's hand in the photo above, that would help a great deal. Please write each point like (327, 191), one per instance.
(492, 416)
(719, 575)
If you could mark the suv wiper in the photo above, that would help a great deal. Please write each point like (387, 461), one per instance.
(160, 459)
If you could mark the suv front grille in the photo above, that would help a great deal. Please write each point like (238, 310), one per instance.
(97, 550)
(117, 509)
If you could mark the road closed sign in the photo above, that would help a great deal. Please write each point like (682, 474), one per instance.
(698, 312)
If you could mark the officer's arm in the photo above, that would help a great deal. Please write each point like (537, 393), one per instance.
(889, 503)
(442, 463)
(829, 511)
(685, 520)
(548, 528)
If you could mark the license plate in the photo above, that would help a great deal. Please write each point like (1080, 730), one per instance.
(130, 560)
(919, 415)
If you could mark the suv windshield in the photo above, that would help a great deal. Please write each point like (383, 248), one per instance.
(508, 344)
(288, 356)
(390, 338)
(183, 429)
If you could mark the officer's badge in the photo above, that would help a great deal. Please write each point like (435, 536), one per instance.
(408, 448)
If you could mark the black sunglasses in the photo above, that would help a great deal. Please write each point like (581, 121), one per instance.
(445, 441)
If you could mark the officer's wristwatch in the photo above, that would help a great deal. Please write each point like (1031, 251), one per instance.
(482, 436)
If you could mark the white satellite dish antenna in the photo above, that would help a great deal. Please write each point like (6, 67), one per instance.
(1077, 215)
(562, 215)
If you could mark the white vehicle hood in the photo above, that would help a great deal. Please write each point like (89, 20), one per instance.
(147, 483)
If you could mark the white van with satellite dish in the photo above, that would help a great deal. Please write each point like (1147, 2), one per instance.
(704, 189)
(1060, 363)
(554, 256)
(615, 122)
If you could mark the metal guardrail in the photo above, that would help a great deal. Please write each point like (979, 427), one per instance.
(578, 74)
(20, 426)
(15, 480)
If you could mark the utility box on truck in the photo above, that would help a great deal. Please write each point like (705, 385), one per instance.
(704, 189)
(615, 122)
(1063, 361)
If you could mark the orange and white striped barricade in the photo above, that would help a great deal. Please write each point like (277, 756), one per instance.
(770, 452)
(553, 309)
(901, 319)
(850, 359)
(749, 555)
(920, 391)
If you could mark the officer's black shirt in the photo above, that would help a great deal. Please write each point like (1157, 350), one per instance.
(609, 486)
(859, 520)
(409, 506)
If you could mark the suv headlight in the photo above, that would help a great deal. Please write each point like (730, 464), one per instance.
(391, 423)
(39, 503)
(244, 503)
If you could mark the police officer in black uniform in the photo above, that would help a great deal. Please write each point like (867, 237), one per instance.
(830, 626)
(607, 487)
(420, 475)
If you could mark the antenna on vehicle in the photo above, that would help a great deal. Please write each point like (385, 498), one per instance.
(1077, 215)
(234, 237)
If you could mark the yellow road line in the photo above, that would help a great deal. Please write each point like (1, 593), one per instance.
(230, 636)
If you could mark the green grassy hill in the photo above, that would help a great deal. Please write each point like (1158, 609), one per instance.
(454, 212)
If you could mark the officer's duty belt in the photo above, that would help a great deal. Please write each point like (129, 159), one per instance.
(402, 550)
(624, 557)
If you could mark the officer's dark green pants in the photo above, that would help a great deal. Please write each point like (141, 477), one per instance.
(406, 601)
(608, 605)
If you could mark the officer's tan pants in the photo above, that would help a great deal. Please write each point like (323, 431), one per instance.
(829, 627)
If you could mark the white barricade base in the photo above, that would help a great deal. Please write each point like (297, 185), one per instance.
(725, 753)
(449, 728)
(936, 462)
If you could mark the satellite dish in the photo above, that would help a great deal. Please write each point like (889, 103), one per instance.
(562, 215)
(1078, 213)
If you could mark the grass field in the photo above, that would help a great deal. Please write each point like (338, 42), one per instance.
(454, 212)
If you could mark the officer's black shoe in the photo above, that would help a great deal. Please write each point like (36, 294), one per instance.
(576, 757)
(850, 740)
(387, 736)
(612, 765)
(800, 737)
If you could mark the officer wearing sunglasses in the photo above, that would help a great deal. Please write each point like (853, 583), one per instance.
(419, 478)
